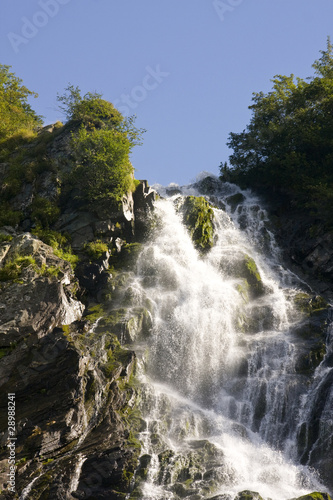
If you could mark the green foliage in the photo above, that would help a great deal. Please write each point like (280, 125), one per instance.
(198, 217)
(102, 158)
(44, 212)
(59, 242)
(288, 144)
(95, 249)
(14, 267)
(124, 259)
(67, 254)
(95, 112)
(9, 217)
(52, 238)
(16, 113)
(101, 149)
(5, 237)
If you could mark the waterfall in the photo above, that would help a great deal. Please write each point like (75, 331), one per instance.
(220, 396)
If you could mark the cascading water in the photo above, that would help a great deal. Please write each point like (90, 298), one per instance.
(220, 397)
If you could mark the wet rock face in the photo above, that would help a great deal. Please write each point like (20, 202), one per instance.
(307, 246)
(143, 199)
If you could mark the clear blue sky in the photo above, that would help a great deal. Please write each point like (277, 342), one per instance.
(186, 68)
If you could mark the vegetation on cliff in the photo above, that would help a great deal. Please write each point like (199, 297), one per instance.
(16, 113)
(198, 216)
(287, 146)
(66, 206)
(93, 168)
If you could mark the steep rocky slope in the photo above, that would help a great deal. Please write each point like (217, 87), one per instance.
(74, 384)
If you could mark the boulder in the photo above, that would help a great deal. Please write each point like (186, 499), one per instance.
(37, 290)
(198, 217)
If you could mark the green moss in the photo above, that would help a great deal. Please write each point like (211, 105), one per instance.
(67, 255)
(250, 272)
(5, 237)
(52, 238)
(310, 305)
(13, 268)
(198, 217)
(315, 496)
(42, 487)
(48, 271)
(59, 242)
(125, 258)
(4, 351)
(307, 363)
(95, 249)
(94, 312)
(243, 290)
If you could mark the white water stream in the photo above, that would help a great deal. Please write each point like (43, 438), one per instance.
(220, 398)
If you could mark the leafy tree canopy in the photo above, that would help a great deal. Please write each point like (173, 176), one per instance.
(101, 148)
(288, 144)
(103, 172)
(15, 110)
(95, 112)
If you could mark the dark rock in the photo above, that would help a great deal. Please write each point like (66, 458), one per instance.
(208, 185)
(144, 198)
(235, 200)
(248, 495)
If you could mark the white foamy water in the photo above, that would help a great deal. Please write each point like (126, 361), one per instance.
(219, 376)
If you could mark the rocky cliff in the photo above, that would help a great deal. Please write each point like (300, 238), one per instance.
(62, 268)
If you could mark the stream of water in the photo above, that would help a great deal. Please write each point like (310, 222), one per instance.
(220, 396)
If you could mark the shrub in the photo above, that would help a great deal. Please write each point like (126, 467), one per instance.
(9, 217)
(59, 242)
(52, 238)
(13, 268)
(5, 237)
(95, 249)
(16, 113)
(44, 211)
(103, 172)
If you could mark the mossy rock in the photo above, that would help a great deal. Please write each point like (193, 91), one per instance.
(310, 305)
(126, 257)
(143, 468)
(307, 363)
(252, 283)
(183, 491)
(248, 495)
(198, 217)
(314, 496)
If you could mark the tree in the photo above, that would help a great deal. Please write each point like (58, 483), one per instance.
(95, 112)
(288, 144)
(15, 110)
(103, 172)
(324, 66)
(101, 148)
